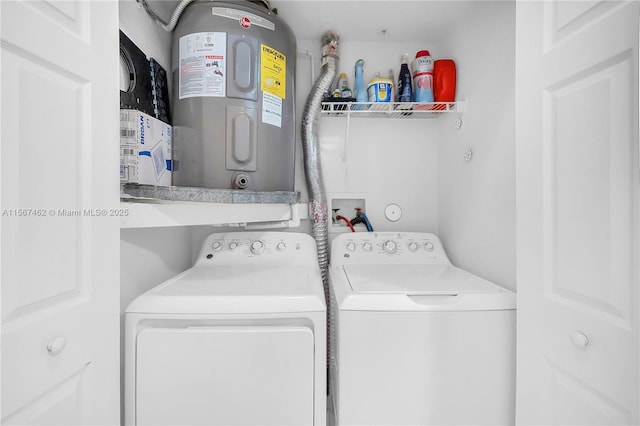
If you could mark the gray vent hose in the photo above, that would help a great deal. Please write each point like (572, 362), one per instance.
(175, 16)
(311, 152)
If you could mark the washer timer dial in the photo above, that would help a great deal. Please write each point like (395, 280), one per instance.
(257, 247)
(390, 246)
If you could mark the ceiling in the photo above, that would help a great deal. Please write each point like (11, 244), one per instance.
(360, 20)
(373, 20)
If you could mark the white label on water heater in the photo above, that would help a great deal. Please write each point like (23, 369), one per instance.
(244, 18)
(271, 109)
(203, 65)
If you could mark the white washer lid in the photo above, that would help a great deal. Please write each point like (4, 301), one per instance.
(235, 289)
(416, 288)
(415, 279)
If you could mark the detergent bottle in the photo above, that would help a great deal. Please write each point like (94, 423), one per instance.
(343, 86)
(404, 92)
(422, 67)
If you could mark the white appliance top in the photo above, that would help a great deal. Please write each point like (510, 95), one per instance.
(406, 271)
(414, 279)
(243, 272)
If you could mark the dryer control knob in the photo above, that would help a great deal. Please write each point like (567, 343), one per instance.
(216, 246)
(233, 245)
(428, 246)
(281, 246)
(367, 246)
(390, 246)
(351, 246)
(413, 246)
(257, 247)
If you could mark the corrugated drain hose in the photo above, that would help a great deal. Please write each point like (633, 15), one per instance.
(311, 152)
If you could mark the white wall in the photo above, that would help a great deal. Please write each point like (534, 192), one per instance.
(383, 161)
(477, 199)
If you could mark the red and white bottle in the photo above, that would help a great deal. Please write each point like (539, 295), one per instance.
(422, 70)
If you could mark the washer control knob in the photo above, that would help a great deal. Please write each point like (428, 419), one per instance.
(428, 246)
(351, 246)
(390, 246)
(233, 245)
(413, 246)
(257, 247)
(367, 246)
(281, 246)
(216, 246)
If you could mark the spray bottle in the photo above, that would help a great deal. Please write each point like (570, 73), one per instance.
(359, 87)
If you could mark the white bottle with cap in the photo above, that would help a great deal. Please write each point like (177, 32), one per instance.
(422, 67)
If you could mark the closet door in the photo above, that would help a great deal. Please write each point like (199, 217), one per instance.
(577, 201)
(60, 235)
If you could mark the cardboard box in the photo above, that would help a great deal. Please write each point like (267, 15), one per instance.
(145, 149)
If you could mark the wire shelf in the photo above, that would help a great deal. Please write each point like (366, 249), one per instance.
(408, 110)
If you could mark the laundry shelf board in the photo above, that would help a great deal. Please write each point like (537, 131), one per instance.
(144, 206)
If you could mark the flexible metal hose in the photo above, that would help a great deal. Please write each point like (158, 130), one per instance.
(175, 16)
(313, 173)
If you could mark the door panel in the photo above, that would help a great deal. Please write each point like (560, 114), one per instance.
(43, 182)
(593, 406)
(60, 304)
(588, 188)
(225, 375)
(565, 18)
(577, 197)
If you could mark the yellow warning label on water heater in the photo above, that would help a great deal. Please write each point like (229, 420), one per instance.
(273, 71)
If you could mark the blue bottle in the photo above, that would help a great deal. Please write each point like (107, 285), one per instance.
(405, 89)
(359, 87)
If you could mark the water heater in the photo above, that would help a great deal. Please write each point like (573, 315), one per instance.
(233, 66)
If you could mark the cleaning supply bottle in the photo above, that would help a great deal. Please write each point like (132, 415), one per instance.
(444, 80)
(404, 92)
(359, 87)
(379, 89)
(343, 86)
(422, 67)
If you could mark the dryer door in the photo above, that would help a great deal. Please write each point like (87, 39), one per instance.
(224, 375)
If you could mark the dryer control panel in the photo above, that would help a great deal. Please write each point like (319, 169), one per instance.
(391, 247)
(277, 248)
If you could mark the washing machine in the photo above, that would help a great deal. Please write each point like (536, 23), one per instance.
(419, 341)
(237, 339)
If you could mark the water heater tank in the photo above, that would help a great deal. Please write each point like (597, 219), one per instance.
(233, 67)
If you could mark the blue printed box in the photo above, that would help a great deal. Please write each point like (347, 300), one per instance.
(145, 149)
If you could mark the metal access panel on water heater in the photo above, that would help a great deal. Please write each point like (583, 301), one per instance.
(234, 107)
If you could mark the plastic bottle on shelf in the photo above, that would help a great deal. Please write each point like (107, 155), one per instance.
(359, 87)
(343, 86)
(404, 89)
(422, 67)
(379, 89)
(444, 81)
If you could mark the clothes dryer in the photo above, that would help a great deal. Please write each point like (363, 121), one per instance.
(419, 341)
(237, 339)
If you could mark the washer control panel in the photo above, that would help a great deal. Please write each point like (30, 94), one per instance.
(278, 247)
(393, 247)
